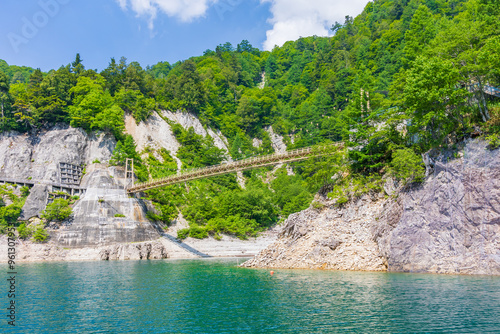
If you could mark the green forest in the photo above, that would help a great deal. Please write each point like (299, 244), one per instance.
(401, 78)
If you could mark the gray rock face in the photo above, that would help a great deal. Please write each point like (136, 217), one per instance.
(333, 238)
(33, 252)
(36, 201)
(449, 224)
(187, 120)
(141, 251)
(277, 142)
(37, 157)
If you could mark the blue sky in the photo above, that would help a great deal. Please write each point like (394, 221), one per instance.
(48, 33)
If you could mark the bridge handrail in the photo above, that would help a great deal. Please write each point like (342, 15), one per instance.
(227, 165)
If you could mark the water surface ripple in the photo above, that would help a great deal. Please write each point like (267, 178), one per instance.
(214, 296)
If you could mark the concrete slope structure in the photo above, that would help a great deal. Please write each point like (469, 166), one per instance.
(95, 221)
(107, 224)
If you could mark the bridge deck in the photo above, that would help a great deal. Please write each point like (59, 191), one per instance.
(231, 167)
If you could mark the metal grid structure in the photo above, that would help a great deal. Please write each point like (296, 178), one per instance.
(129, 172)
(236, 166)
(70, 174)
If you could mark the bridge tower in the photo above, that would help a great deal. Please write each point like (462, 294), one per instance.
(129, 172)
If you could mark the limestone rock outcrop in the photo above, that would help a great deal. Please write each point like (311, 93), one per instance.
(139, 251)
(157, 133)
(154, 133)
(51, 251)
(277, 142)
(187, 120)
(36, 158)
(448, 224)
(334, 238)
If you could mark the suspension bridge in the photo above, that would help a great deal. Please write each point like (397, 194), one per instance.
(235, 166)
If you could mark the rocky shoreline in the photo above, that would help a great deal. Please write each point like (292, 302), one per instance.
(165, 247)
(332, 238)
(450, 224)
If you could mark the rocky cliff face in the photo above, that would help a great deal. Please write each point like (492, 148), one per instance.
(156, 132)
(36, 160)
(187, 120)
(37, 157)
(449, 224)
(277, 142)
(330, 238)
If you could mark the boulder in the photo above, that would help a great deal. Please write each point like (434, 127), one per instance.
(35, 202)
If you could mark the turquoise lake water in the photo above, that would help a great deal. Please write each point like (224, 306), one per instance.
(215, 296)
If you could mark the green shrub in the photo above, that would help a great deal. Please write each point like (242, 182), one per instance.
(8, 215)
(198, 232)
(96, 161)
(25, 191)
(235, 225)
(183, 233)
(341, 200)
(24, 231)
(317, 205)
(297, 203)
(493, 141)
(61, 193)
(153, 217)
(40, 234)
(119, 215)
(57, 210)
(73, 199)
(290, 193)
(407, 166)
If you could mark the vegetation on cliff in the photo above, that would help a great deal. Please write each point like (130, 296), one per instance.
(11, 203)
(402, 77)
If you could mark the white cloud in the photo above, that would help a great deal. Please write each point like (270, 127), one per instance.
(185, 10)
(122, 3)
(301, 18)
